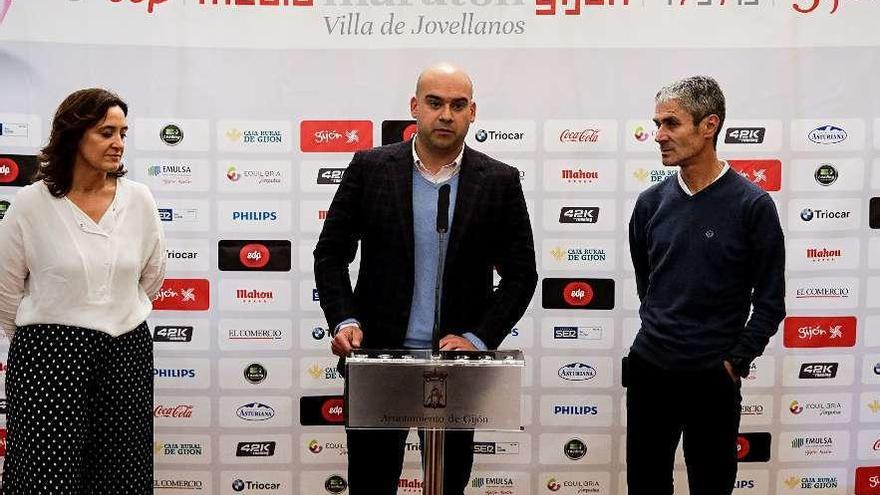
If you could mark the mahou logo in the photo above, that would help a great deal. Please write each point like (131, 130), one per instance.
(588, 135)
(254, 256)
(183, 294)
(253, 296)
(323, 136)
(179, 411)
(766, 174)
(818, 331)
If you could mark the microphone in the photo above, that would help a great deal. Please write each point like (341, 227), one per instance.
(442, 229)
(443, 209)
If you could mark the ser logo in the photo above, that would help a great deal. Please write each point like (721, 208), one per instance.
(496, 448)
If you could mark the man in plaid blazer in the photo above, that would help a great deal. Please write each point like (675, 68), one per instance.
(387, 201)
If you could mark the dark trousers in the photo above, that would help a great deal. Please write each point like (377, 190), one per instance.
(80, 418)
(702, 407)
(375, 461)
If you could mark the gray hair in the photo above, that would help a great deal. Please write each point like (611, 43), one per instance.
(700, 96)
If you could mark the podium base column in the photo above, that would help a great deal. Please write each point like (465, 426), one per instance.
(432, 461)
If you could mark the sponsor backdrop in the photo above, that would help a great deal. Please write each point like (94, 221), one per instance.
(245, 113)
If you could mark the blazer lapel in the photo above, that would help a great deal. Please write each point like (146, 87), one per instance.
(470, 185)
(401, 176)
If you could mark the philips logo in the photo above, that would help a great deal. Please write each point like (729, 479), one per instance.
(174, 373)
(559, 410)
(254, 216)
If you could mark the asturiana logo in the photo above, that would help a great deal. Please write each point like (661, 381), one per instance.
(827, 134)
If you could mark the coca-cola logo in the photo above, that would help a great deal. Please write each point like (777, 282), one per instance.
(254, 255)
(578, 293)
(8, 170)
(331, 410)
(184, 411)
(588, 135)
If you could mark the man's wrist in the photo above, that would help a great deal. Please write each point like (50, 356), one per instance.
(349, 322)
(740, 365)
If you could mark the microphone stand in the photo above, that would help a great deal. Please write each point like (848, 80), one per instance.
(435, 438)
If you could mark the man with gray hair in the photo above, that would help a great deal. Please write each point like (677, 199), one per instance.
(706, 245)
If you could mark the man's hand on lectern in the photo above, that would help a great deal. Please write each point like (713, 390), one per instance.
(347, 338)
(456, 343)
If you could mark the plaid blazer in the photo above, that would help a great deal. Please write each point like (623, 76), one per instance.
(490, 229)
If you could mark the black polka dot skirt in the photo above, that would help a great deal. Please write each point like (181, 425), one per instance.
(79, 412)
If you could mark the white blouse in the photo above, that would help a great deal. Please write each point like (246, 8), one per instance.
(60, 267)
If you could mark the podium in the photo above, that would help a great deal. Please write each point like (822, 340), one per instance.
(447, 390)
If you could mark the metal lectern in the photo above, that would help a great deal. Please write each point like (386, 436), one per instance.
(448, 390)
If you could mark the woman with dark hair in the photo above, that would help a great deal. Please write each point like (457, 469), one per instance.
(83, 256)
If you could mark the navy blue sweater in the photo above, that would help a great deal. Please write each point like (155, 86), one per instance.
(700, 262)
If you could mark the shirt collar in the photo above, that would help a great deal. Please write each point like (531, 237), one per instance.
(684, 186)
(445, 173)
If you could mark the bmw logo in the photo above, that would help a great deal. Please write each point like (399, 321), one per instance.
(482, 135)
(318, 333)
(238, 485)
(806, 214)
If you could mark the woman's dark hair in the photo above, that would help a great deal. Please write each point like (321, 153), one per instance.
(77, 113)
